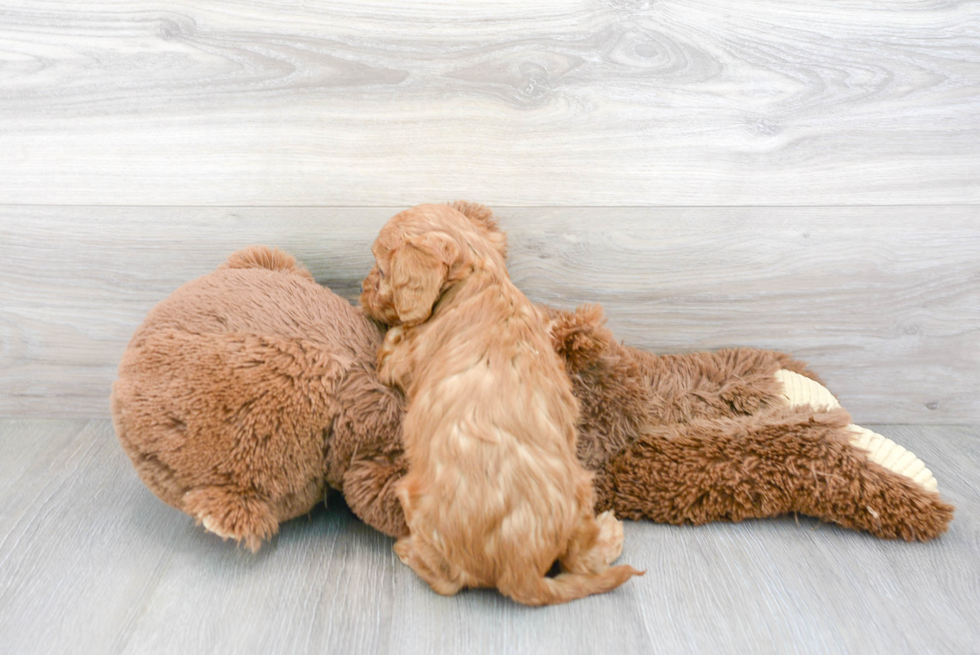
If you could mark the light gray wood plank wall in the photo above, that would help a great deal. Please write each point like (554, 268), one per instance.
(723, 131)
(884, 304)
(537, 102)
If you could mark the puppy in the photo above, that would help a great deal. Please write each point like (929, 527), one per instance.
(494, 493)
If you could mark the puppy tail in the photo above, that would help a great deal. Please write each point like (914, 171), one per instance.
(566, 587)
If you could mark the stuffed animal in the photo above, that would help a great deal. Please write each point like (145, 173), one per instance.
(250, 392)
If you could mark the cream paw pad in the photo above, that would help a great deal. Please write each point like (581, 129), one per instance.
(800, 390)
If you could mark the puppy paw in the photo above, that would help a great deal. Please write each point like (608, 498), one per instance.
(444, 578)
(403, 548)
(609, 543)
(393, 337)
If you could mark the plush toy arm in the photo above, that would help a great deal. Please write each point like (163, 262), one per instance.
(579, 337)
(369, 489)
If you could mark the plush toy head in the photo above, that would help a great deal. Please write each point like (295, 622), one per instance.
(242, 395)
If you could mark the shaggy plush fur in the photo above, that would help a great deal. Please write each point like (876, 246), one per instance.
(706, 437)
(494, 493)
(252, 390)
(248, 391)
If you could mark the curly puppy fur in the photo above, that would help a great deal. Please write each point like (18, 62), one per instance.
(494, 493)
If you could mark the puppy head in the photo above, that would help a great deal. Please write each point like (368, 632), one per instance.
(412, 268)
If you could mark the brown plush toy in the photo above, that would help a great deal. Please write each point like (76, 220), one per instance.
(251, 391)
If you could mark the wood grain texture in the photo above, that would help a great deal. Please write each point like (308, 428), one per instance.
(537, 102)
(884, 302)
(91, 562)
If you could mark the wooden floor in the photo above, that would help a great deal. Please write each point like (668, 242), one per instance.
(93, 563)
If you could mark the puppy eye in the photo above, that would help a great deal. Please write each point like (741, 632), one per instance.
(381, 273)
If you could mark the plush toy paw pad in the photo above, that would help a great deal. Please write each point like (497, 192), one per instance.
(890, 455)
(799, 391)
(212, 526)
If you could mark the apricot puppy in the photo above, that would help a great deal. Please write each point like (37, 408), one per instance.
(494, 493)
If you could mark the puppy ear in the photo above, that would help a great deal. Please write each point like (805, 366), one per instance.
(479, 214)
(483, 218)
(419, 268)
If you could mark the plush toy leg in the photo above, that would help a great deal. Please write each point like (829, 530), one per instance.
(231, 514)
(802, 391)
(785, 460)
